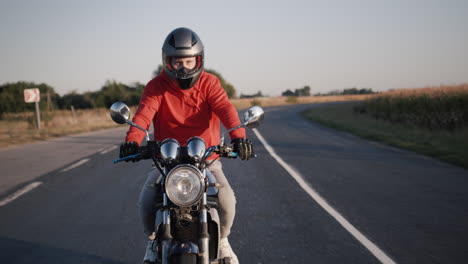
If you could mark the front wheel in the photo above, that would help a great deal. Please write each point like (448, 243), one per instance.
(183, 259)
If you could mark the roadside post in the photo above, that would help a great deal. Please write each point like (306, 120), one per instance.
(33, 96)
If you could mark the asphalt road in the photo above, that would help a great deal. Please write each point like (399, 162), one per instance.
(412, 207)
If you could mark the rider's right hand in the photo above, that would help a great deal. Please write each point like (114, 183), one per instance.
(243, 147)
(127, 149)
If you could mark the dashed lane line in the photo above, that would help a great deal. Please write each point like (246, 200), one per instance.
(83, 161)
(19, 193)
(34, 185)
(108, 150)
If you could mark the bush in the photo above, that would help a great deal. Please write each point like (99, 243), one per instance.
(291, 100)
(256, 102)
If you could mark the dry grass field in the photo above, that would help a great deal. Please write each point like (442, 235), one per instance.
(21, 128)
(282, 100)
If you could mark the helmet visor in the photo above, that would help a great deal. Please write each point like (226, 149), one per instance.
(184, 67)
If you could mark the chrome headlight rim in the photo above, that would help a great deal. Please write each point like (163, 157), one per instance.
(169, 187)
(196, 147)
(169, 149)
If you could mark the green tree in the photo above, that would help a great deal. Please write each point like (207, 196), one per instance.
(77, 100)
(258, 94)
(306, 91)
(229, 88)
(113, 91)
(136, 90)
(157, 71)
(288, 93)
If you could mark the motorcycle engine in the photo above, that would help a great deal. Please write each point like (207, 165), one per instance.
(186, 228)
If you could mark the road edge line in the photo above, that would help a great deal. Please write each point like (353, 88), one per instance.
(373, 248)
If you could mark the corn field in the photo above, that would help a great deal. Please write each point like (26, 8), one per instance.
(444, 107)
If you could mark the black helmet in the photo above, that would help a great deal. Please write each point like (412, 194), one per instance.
(183, 42)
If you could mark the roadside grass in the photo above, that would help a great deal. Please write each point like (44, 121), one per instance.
(20, 128)
(447, 145)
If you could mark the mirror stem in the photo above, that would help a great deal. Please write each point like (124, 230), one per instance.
(139, 127)
(234, 128)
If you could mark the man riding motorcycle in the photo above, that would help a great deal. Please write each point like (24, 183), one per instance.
(185, 101)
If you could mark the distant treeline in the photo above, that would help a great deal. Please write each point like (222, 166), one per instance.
(258, 94)
(305, 91)
(349, 91)
(12, 96)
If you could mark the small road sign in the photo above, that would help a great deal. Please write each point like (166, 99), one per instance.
(32, 95)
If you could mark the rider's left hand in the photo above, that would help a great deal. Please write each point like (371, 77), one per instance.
(243, 147)
(127, 149)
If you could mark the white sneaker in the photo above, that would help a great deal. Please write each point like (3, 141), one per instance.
(225, 251)
(151, 254)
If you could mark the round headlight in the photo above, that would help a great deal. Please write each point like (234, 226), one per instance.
(184, 185)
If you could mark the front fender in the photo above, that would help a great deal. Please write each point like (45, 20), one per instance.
(180, 247)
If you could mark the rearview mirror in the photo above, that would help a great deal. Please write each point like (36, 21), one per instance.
(119, 112)
(253, 116)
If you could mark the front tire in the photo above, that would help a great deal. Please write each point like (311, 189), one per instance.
(183, 259)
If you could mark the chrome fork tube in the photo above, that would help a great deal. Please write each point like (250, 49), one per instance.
(204, 239)
(166, 235)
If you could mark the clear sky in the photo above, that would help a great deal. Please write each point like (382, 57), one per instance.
(267, 46)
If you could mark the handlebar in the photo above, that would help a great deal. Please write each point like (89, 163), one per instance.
(146, 152)
(138, 155)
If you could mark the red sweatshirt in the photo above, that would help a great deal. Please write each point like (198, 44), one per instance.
(181, 114)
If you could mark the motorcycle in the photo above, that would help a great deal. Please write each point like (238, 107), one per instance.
(187, 221)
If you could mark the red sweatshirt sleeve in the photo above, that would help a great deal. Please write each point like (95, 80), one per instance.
(227, 113)
(147, 108)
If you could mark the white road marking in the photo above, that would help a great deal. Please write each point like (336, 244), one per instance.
(75, 165)
(374, 249)
(19, 193)
(108, 150)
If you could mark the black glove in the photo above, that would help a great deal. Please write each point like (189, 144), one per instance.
(127, 149)
(243, 147)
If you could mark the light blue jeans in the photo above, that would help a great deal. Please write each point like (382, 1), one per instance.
(152, 193)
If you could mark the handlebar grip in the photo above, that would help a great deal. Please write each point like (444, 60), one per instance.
(128, 158)
(232, 155)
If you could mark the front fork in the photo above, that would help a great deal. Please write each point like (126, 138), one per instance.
(166, 237)
(204, 240)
